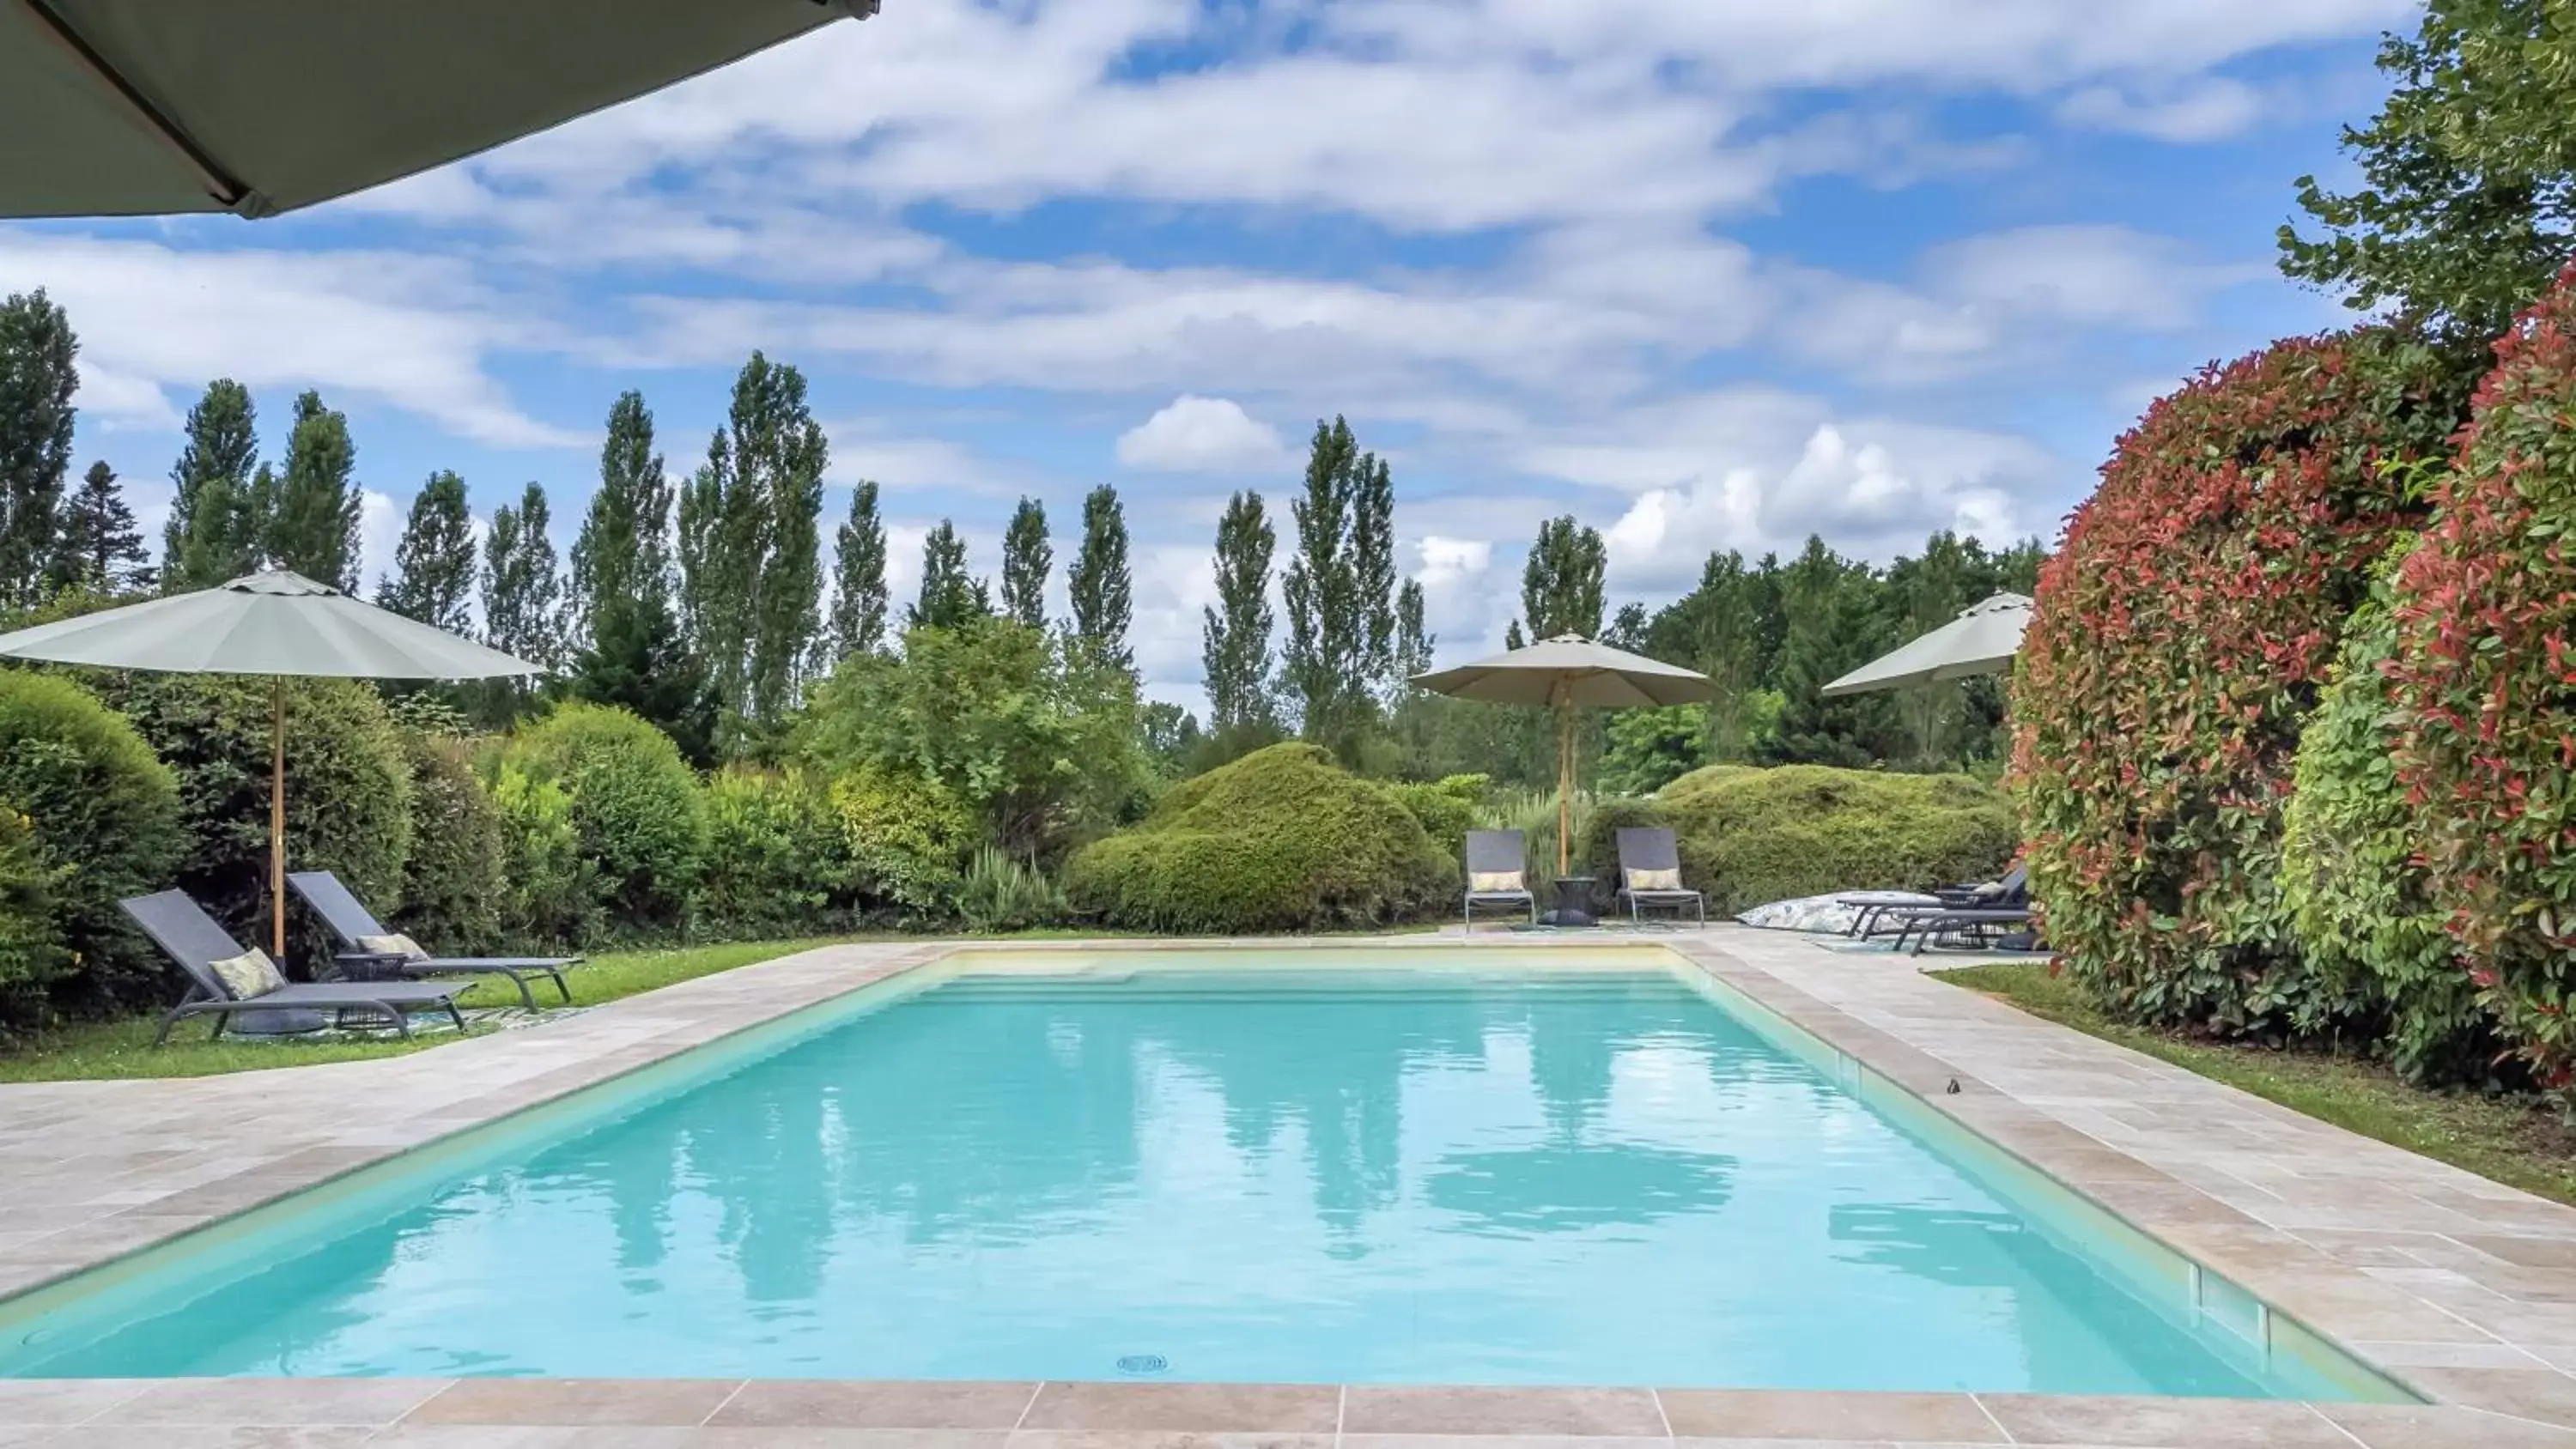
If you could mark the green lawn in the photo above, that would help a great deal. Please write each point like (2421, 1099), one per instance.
(2509, 1140)
(124, 1048)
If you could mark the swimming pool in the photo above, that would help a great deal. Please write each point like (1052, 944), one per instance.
(1596, 1167)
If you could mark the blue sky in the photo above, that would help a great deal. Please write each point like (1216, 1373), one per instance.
(1705, 273)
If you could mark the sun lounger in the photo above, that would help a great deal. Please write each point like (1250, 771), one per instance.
(1648, 859)
(356, 927)
(193, 939)
(1491, 856)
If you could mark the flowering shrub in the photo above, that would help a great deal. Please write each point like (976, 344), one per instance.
(2486, 688)
(2181, 634)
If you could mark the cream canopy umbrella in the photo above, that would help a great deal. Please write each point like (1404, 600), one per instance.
(275, 623)
(1567, 673)
(137, 107)
(1982, 640)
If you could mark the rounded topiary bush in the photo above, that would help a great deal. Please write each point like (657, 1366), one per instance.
(1283, 839)
(551, 894)
(1748, 836)
(778, 862)
(105, 814)
(457, 876)
(2181, 634)
(2484, 677)
(2352, 883)
(348, 789)
(636, 809)
(33, 958)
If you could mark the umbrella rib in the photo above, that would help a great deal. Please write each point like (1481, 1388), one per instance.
(219, 183)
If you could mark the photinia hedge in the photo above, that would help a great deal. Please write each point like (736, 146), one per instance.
(2180, 635)
(2486, 688)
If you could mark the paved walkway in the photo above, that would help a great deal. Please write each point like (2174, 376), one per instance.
(2461, 1288)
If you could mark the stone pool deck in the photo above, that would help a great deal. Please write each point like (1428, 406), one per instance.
(2462, 1289)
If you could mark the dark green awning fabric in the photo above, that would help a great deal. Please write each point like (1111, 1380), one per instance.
(141, 107)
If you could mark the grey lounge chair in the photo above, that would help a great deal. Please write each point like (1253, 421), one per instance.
(1489, 851)
(350, 920)
(190, 936)
(2012, 892)
(1649, 849)
(1974, 928)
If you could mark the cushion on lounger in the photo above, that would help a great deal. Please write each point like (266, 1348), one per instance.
(393, 945)
(1655, 880)
(247, 975)
(1494, 882)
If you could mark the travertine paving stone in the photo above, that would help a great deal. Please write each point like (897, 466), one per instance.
(2458, 1287)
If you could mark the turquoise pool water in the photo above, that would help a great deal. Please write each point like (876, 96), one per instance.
(1350, 1174)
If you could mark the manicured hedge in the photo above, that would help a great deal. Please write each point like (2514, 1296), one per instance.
(1446, 807)
(1283, 839)
(457, 876)
(2485, 682)
(1749, 836)
(778, 862)
(637, 809)
(104, 814)
(2182, 633)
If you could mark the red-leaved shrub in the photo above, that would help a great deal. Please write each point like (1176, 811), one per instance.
(2180, 636)
(2486, 688)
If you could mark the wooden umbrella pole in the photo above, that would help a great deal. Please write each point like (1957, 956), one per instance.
(1564, 785)
(277, 824)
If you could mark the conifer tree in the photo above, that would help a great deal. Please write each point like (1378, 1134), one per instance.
(314, 529)
(522, 597)
(99, 546)
(37, 380)
(1026, 558)
(1326, 665)
(219, 506)
(1373, 566)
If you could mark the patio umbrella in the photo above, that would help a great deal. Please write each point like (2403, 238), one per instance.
(274, 623)
(136, 107)
(1982, 640)
(1567, 673)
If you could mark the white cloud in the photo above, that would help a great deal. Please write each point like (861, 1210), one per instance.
(2207, 109)
(1202, 435)
(410, 331)
(380, 528)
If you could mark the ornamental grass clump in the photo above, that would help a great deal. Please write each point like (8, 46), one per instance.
(2179, 638)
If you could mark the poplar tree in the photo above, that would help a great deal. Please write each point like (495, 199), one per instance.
(98, 546)
(1413, 638)
(1561, 580)
(314, 530)
(859, 577)
(949, 597)
(1103, 594)
(218, 508)
(37, 380)
(751, 550)
(622, 557)
(1726, 645)
(1327, 663)
(1235, 635)
(1026, 558)
(433, 577)
(1373, 579)
(522, 596)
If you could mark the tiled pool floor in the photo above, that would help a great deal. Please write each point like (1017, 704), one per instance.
(2463, 1289)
